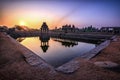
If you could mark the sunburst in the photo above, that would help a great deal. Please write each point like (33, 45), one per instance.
(22, 23)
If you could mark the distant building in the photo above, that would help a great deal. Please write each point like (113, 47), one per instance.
(89, 29)
(114, 30)
(44, 27)
(68, 28)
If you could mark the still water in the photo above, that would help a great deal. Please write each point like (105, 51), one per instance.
(56, 51)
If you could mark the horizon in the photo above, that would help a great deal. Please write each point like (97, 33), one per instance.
(57, 13)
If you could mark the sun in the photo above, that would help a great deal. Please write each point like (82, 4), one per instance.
(22, 23)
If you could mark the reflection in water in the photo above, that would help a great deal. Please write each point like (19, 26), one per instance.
(44, 42)
(67, 43)
(57, 54)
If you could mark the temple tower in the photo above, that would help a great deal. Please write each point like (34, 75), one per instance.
(44, 27)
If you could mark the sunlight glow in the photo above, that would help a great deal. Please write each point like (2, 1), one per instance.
(33, 13)
(22, 23)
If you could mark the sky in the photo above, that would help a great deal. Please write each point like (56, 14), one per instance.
(81, 13)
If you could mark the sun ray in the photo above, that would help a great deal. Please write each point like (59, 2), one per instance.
(22, 23)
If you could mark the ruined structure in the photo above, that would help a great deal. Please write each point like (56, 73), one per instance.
(44, 27)
(44, 38)
(69, 28)
(113, 30)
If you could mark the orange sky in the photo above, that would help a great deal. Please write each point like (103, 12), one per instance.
(33, 17)
(33, 13)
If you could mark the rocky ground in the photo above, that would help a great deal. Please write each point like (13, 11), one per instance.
(13, 66)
